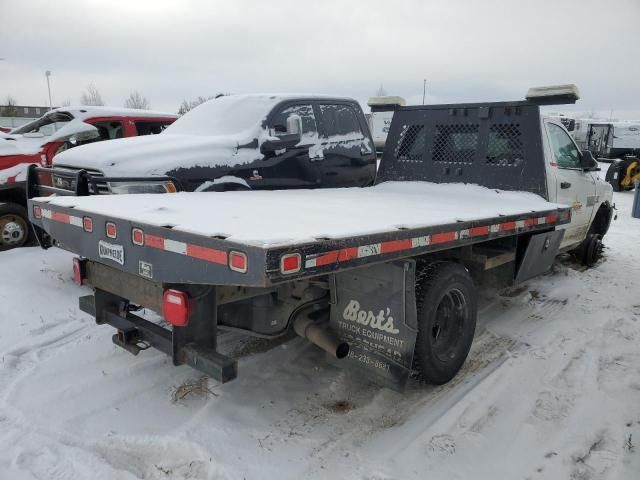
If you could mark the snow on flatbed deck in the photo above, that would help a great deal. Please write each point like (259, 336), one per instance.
(267, 218)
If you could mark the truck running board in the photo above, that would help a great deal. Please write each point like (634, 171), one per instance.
(136, 334)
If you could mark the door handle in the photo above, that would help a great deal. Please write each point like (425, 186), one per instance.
(565, 185)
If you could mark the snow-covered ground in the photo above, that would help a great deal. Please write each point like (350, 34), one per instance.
(550, 391)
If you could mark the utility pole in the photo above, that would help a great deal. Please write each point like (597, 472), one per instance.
(48, 74)
(424, 90)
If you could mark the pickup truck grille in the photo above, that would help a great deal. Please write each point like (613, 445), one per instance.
(68, 182)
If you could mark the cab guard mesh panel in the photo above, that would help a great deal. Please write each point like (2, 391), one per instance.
(497, 145)
(455, 143)
(410, 147)
(505, 145)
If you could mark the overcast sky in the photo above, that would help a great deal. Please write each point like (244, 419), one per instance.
(467, 50)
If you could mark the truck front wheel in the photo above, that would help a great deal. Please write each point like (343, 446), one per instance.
(14, 226)
(447, 311)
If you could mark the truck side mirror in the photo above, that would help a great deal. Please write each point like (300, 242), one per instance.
(588, 161)
(289, 139)
(294, 125)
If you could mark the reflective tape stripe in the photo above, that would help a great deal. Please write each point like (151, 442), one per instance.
(175, 247)
(336, 256)
(445, 237)
(187, 249)
(62, 217)
(205, 253)
(395, 246)
(153, 241)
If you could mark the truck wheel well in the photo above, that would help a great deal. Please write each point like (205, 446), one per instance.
(14, 195)
(602, 220)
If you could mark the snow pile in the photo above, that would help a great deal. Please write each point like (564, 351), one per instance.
(294, 216)
(551, 390)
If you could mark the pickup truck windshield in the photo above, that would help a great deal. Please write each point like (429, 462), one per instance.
(225, 115)
(46, 124)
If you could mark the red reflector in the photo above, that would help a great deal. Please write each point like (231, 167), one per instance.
(112, 232)
(290, 263)
(137, 236)
(78, 271)
(37, 211)
(87, 224)
(238, 262)
(175, 307)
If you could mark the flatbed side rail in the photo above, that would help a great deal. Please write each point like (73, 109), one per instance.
(332, 256)
(166, 255)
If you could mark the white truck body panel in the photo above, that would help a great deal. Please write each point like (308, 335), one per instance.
(583, 191)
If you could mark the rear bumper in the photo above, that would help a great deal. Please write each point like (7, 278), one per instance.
(194, 344)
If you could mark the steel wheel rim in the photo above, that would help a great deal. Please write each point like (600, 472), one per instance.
(13, 230)
(451, 315)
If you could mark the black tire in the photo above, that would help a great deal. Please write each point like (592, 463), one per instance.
(447, 310)
(15, 229)
(590, 250)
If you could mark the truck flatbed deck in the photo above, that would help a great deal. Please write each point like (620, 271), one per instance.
(192, 235)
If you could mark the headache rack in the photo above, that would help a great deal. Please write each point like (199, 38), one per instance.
(45, 181)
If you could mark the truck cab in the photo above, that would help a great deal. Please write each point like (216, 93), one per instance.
(58, 130)
(573, 180)
(257, 142)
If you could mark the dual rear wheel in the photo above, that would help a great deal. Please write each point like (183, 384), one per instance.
(447, 310)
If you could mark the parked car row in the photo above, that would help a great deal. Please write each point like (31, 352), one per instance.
(72, 127)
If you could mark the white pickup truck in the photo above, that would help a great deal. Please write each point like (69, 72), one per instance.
(383, 276)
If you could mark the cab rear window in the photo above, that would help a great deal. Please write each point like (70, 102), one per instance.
(339, 120)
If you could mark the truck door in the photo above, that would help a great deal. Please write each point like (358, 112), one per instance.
(346, 155)
(574, 186)
(288, 168)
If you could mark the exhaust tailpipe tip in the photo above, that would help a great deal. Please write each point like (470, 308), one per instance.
(326, 339)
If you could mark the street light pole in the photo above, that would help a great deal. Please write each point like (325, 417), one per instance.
(48, 74)
(424, 90)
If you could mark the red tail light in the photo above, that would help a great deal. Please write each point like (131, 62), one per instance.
(37, 211)
(112, 231)
(87, 224)
(78, 271)
(175, 308)
(290, 263)
(238, 261)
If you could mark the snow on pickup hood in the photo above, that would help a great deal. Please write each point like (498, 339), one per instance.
(159, 154)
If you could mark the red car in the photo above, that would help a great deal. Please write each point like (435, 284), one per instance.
(60, 129)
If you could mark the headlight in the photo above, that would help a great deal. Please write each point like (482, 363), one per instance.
(119, 188)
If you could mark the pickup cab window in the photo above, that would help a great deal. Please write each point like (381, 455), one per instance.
(305, 111)
(109, 130)
(147, 127)
(340, 119)
(564, 150)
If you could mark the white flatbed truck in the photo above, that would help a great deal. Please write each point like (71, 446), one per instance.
(383, 276)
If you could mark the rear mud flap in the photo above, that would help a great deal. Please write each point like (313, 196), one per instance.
(539, 255)
(374, 310)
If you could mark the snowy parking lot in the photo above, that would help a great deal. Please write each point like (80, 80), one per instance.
(551, 391)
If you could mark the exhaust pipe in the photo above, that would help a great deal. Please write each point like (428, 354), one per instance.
(327, 340)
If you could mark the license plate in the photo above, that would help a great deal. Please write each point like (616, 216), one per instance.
(111, 251)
